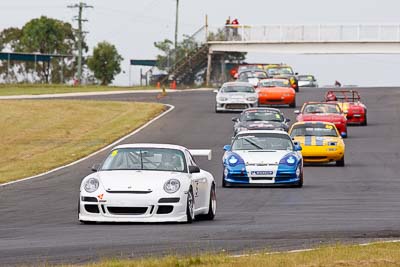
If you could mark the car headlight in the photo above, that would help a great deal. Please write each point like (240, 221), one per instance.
(91, 185)
(252, 98)
(289, 160)
(171, 186)
(222, 98)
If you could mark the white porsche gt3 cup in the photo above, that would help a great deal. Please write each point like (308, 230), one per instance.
(148, 183)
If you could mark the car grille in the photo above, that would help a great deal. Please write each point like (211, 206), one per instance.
(315, 157)
(236, 106)
(92, 208)
(127, 210)
(164, 209)
(262, 178)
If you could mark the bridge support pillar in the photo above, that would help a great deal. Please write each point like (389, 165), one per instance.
(208, 75)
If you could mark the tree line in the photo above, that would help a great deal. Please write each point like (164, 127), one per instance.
(51, 36)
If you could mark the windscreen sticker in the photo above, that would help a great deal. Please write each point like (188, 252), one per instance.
(285, 82)
(114, 153)
(329, 127)
(277, 116)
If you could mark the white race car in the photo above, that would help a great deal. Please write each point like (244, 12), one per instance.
(148, 183)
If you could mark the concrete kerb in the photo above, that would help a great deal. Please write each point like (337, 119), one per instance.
(170, 108)
(99, 93)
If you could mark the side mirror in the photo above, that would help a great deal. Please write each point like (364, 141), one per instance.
(235, 119)
(297, 112)
(287, 120)
(227, 147)
(343, 135)
(194, 169)
(96, 167)
(296, 73)
(297, 147)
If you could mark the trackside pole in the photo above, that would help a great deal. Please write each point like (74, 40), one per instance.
(208, 76)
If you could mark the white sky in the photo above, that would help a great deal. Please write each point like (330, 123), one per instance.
(133, 26)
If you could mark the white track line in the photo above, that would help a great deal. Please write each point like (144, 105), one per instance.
(171, 107)
(77, 94)
(312, 249)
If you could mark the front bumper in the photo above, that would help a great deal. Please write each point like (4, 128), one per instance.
(281, 178)
(284, 100)
(129, 207)
(321, 154)
(356, 118)
(235, 106)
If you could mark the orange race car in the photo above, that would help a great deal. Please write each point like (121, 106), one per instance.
(276, 92)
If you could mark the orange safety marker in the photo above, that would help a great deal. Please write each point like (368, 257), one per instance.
(173, 84)
(158, 85)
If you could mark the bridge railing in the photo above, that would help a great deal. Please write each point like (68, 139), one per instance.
(307, 33)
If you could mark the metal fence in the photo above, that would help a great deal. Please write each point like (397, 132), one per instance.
(306, 33)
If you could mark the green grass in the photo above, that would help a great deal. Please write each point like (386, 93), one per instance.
(37, 136)
(380, 255)
(39, 89)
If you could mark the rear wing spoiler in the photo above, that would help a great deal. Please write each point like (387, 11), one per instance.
(201, 153)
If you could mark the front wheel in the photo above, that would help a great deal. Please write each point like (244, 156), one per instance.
(340, 162)
(212, 208)
(190, 207)
(365, 120)
(293, 104)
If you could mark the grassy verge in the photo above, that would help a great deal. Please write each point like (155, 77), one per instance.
(383, 254)
(37, 136)
(39, 89)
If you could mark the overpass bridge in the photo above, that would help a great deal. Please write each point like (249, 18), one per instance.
(288, 39)
(308, 39)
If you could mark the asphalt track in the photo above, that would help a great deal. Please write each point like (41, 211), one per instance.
(357, 203)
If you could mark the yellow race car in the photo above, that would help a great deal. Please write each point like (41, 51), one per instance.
(320, 142)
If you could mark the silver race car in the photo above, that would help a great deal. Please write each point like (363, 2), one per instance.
(236, 96)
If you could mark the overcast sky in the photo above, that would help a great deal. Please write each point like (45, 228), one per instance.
(133, 26)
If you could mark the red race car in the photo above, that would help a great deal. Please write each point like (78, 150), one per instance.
(324, 111)
(349, 101)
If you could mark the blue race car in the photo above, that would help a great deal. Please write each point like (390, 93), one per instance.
(262, 158)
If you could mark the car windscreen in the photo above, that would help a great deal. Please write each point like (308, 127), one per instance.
(262, 141)
(158, 159)
(313, 130)
(244, 76)
(306, 78)
(274, 83)
(280, 71)
(237, 89)
(321, 108)
(261, 115)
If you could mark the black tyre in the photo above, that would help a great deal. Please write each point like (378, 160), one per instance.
(293, 104)
(224, 184)
(190, 207)
(212, 209)
(340, 162)
(300, 183)
(365, 120)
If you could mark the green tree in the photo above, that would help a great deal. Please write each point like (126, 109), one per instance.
(105, 62)
(48, 36)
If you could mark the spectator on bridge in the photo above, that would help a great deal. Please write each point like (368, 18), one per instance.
(235, 26)
(338, 84)
(227, 29)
